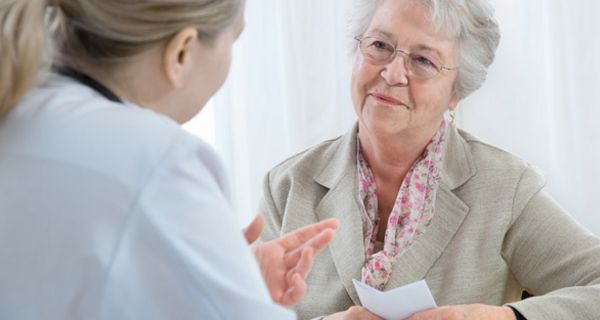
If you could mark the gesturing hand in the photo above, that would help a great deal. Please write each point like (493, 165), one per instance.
(254, 229)
(286, 261)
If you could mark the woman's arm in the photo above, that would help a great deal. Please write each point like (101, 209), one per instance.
(552, 256)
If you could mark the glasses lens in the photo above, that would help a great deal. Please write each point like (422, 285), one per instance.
(422, 65)
(377, 50)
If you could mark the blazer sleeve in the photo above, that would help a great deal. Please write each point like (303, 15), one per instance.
(553, 257)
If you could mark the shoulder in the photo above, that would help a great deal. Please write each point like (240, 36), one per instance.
(71, 125)
(492, 161)
(306, 166)
(499, 174)
(309, 158)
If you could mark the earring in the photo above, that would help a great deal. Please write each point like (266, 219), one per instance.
(453, 117)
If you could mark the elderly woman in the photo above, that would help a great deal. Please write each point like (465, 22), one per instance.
(418, 198)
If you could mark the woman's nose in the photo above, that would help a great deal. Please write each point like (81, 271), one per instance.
(395, 72)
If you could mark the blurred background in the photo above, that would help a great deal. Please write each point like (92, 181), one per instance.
(288, 89)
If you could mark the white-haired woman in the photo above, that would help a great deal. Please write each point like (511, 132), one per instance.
(418, 198)
(108, 209)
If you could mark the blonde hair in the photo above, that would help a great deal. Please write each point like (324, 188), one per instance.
(100, 32)
(21, 49)
(470, 22)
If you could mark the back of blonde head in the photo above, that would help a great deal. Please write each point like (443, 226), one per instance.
(99, 32)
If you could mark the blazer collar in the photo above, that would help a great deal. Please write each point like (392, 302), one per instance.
(342, 159)
(339, 175)
(458, 164)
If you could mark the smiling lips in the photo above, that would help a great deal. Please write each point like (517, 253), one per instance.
(387, 100)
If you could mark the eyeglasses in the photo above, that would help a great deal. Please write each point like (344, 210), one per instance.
(419, 64)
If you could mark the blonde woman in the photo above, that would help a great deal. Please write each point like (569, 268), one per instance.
(108, 210)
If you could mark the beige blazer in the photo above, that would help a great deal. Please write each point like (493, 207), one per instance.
(495, 233)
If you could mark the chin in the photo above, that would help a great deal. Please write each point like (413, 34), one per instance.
(384, 127)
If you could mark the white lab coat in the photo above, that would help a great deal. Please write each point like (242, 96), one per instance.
(111, 211)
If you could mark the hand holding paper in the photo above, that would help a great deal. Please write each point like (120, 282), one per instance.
(397, 304)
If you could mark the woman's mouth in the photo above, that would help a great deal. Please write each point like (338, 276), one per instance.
(386, 100)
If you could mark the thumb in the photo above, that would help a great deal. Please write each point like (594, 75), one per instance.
(254, 229)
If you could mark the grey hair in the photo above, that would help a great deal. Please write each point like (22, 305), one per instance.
(470, 22)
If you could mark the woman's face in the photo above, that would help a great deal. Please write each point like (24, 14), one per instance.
(387, 100)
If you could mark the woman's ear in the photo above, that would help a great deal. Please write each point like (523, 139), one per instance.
(177, 55)
(453, 102)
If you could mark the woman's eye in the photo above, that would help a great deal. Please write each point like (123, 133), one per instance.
(380, 45)
(423, 61)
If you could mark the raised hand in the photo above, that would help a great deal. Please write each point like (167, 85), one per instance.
(286, 261)
(254, 229)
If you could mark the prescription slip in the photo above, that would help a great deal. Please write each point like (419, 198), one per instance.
(396, 304)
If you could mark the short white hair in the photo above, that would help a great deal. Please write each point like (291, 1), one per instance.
(470, 22)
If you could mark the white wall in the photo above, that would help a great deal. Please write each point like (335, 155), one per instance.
(541, 100)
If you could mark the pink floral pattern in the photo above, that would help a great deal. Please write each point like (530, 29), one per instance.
(412, 212)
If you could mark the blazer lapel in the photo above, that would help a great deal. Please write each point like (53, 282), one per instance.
(347, 249)
(451, 211)
(414, 263)
(339, 175)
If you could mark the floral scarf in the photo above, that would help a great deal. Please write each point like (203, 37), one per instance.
(412, 212)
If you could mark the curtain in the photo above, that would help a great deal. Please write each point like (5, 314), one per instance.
(288, 90)
(540, 101)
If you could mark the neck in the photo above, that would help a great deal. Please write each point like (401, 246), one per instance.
(122, 83)
(391, 156)
(138, 82)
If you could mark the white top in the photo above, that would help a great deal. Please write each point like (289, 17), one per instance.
(111, 211)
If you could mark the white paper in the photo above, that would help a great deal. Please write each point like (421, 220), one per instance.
(396, 304)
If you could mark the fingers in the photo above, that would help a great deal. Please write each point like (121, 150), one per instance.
(424, 315)
(295, 292)
(303, 264)
(354, 313)
(254, 229)
(447, 312)
(295, 278)
(301, 236)
(357, 312)
(321, 240)
(317, 243)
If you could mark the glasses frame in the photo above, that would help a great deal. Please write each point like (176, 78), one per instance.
(361, 38)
